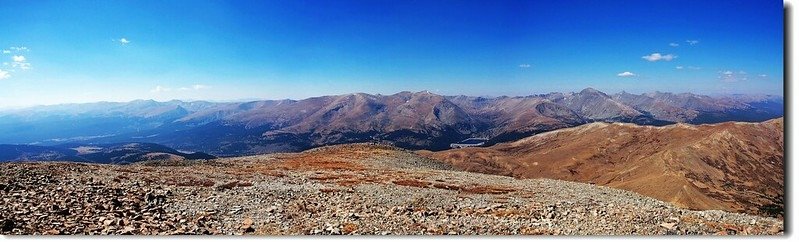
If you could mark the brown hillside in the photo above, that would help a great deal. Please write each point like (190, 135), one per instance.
(731, 166)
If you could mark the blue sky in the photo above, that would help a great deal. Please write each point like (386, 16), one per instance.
(84, 51)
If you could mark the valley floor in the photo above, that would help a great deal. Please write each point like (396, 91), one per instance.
(347, 189)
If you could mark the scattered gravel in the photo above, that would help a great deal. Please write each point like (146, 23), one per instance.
(379, 191)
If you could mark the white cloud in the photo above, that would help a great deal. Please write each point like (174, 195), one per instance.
(4, 75)
(21, 65)
(159, 88)
(20, 62)
(15, 50)
(763, 75)
(626, 74)
(732, 76)
(524, 66)
(19, 49)
(658, 57)
(694, 68)
(200, 87)
(124, 41)
(194, 87)
(692, 42)
(674, 44)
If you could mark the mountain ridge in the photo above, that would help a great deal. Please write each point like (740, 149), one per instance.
(414, 120)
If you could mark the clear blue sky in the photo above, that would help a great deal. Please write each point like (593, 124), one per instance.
(226, 50)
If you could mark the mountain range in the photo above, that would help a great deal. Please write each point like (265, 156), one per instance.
(413, 120)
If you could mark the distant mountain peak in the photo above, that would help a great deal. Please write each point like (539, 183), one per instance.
(425, 93)
(590, 90)
(144, 101)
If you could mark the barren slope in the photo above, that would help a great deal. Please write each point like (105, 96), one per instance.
(731, 166)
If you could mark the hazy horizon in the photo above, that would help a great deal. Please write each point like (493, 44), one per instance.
(85, 51)
(5, 108)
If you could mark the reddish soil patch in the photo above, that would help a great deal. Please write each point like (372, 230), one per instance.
(412, 183)
(349, 183)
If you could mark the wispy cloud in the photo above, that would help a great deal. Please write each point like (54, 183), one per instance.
(20, 62)
(729, 76)
(200, 87)
(194, 87)
(626, 74)
(19, 49)
(692, 42)
(21, 65)
(674, 44)
(4, 75)
(122, 41)
(159, 88)
(688, 68)
(15, 49)
(524, 66)
(658, 57)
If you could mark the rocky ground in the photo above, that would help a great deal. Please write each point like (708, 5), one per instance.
(350, 189)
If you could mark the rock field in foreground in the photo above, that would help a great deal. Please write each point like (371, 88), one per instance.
(347, 189)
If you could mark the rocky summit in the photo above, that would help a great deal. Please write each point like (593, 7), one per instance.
(344, 189)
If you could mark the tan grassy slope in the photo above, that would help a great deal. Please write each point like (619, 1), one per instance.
(731, 166)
